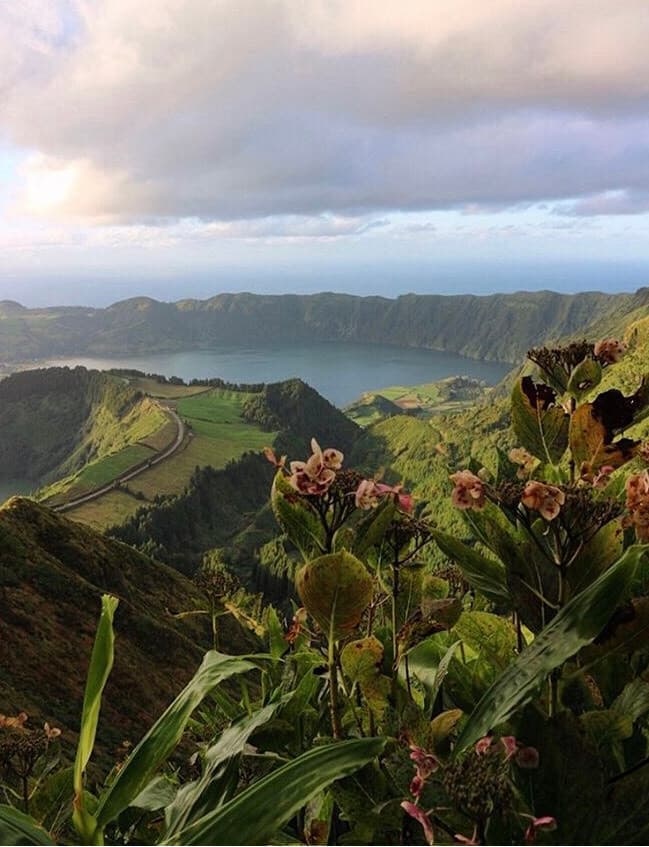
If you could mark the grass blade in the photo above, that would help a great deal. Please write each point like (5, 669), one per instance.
(259, 812)
(101, 663)
(18, 828)
(165, 734)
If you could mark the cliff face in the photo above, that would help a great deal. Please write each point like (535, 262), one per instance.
(500, 326)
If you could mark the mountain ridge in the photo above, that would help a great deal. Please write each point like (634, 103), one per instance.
(499, 327)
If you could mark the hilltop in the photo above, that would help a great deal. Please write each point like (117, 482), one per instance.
(498, 327)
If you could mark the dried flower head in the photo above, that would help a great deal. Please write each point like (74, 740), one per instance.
(542, 498)
(469, 490)
(637, 504)
(609, 350)
(526, 461)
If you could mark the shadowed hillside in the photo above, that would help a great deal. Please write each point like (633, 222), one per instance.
(54, 421)
(52, 575)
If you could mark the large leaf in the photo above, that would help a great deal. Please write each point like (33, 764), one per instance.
(591, 442)
(335, 590)
(296, 518)
(431, 669)
(17, 828)
(164, 735)
(485, 575)
(194, 799)
(540, 423)
(101, 663)
(576, 625)
(256, 814)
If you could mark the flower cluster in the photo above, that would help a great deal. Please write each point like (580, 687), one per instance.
(610, 350)
(369, 493)
(637, 504)
(315, 476)
(426, 764)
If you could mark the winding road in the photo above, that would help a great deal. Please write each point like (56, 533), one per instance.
(159, 457)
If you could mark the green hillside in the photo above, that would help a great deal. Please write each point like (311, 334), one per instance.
(499, 326)
(52, 574)
(55, 422)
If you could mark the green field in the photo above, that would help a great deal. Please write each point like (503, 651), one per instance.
(165, 389)
(217, 434)
(99, 473)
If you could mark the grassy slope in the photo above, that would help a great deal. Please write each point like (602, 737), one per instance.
(52, 574)
(218, 435)
(55, 423)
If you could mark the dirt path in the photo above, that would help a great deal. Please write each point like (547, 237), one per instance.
(159, 457)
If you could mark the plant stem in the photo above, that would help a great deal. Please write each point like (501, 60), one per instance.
(333, 691)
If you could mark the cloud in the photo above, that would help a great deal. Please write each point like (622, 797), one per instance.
(607, 203)
(224, 111)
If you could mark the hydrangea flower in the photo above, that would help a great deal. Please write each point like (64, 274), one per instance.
(542, 498)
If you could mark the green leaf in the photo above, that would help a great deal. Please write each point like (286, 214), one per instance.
(488, 635)
(296, 518)
(576, 625)
(371, 530)
(429, 669)
(165, 734)
(101, 663)
(335, 590)
(17, 828)
(540, 424)
(485, 575)
(277, 644)
(255, 815)
(585, 376)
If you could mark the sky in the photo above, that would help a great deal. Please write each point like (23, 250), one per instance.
(184, 147)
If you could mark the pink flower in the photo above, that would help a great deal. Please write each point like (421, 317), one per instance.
(426, 763)
(546, 499)
(483, 745)
(547, 823)
(422, 818)
(603, 477)
(16, 722)
(462, 839)
(369, 493)
(51, 732)
(510, 744)
(528, 758)
(526, 461)
(269, 453)
(404, 501)
(610, 350)
(469, 491)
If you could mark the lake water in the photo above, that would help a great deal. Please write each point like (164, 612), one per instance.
(341, 372)
(9, 487)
